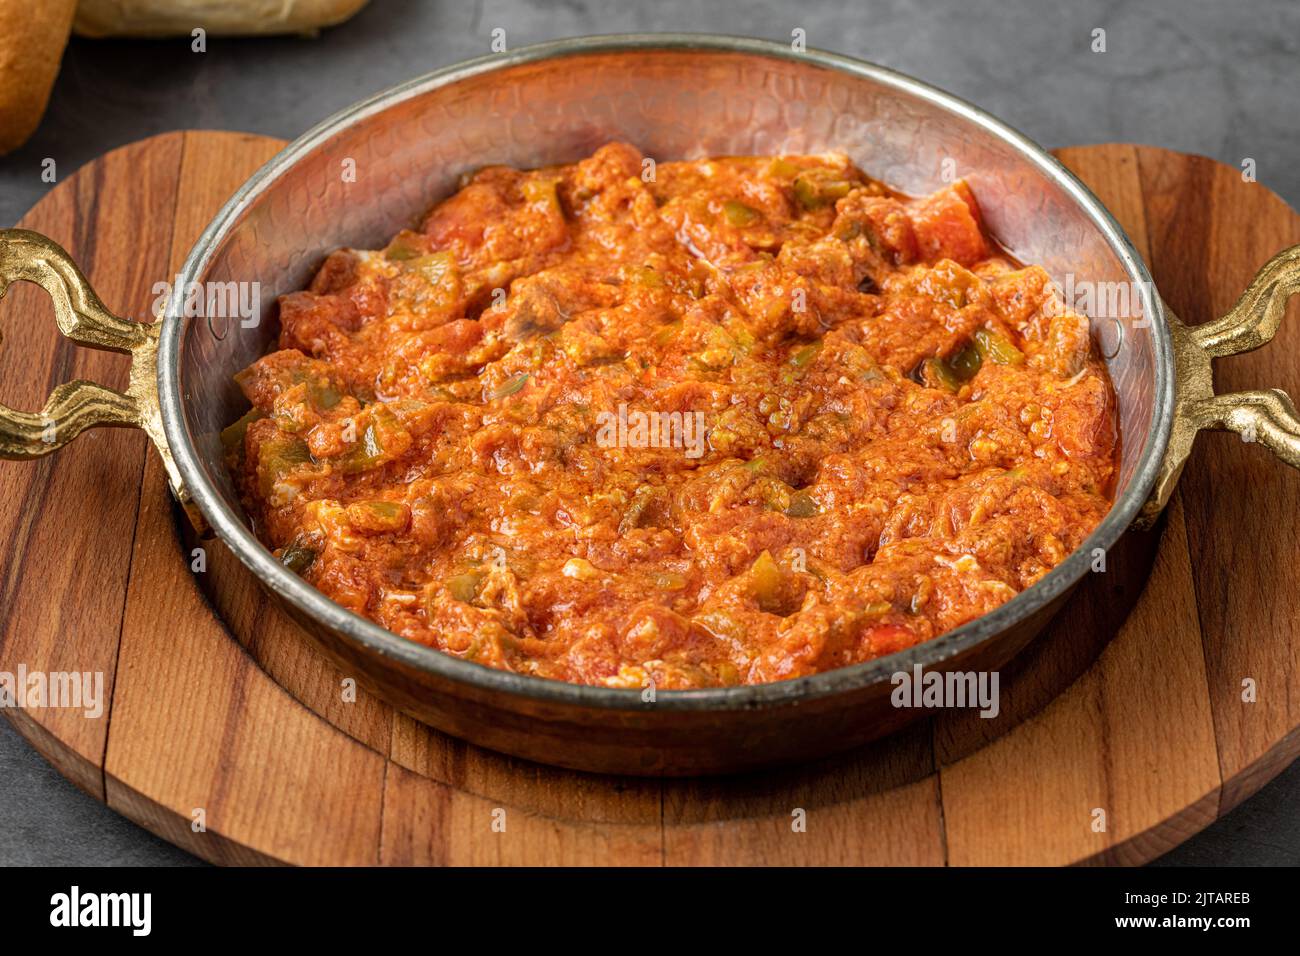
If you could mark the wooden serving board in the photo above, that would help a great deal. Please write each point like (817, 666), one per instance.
(221, 714)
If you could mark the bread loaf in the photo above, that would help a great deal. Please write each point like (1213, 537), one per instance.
(32, 38)
(157, 18)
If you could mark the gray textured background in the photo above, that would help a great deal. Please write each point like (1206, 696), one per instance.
(1221, 79)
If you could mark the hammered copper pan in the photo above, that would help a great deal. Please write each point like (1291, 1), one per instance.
(674, 97)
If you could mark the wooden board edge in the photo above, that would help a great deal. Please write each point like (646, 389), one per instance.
(86, 775)
(1138, 848)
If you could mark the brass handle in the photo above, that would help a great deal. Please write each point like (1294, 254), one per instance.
(75, 406)
(1264, 415)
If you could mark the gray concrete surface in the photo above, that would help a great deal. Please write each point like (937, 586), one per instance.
(1220, 79)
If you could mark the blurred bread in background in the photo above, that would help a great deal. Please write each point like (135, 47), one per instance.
(32, 38)
(157, 18)
(33, 34)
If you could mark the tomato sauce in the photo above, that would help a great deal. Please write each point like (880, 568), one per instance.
(702, 423)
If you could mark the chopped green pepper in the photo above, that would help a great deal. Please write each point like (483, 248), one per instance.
(378, 515)
(647, 509)
(405, 245)
(232, 436)
(782, 168)
(509, 387)
(938, 371)
(464, 587)
(765, 579)
(367, 453)
(958, 368)
(434, 266)
(802, 505)
(738, 214)
(998, 347)
(323, 395)
(277, 458)
(297, 558)
(815, 188)
(803, 357)
(965, 365)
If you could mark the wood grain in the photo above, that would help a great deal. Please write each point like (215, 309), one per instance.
(197, 725)
(1083, 765)
(1129, 704)
(1241, 509)
(64, 590)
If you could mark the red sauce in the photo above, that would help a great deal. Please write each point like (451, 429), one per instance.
(744, 420)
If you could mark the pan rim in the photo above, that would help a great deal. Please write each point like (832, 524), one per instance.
(369, 638)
